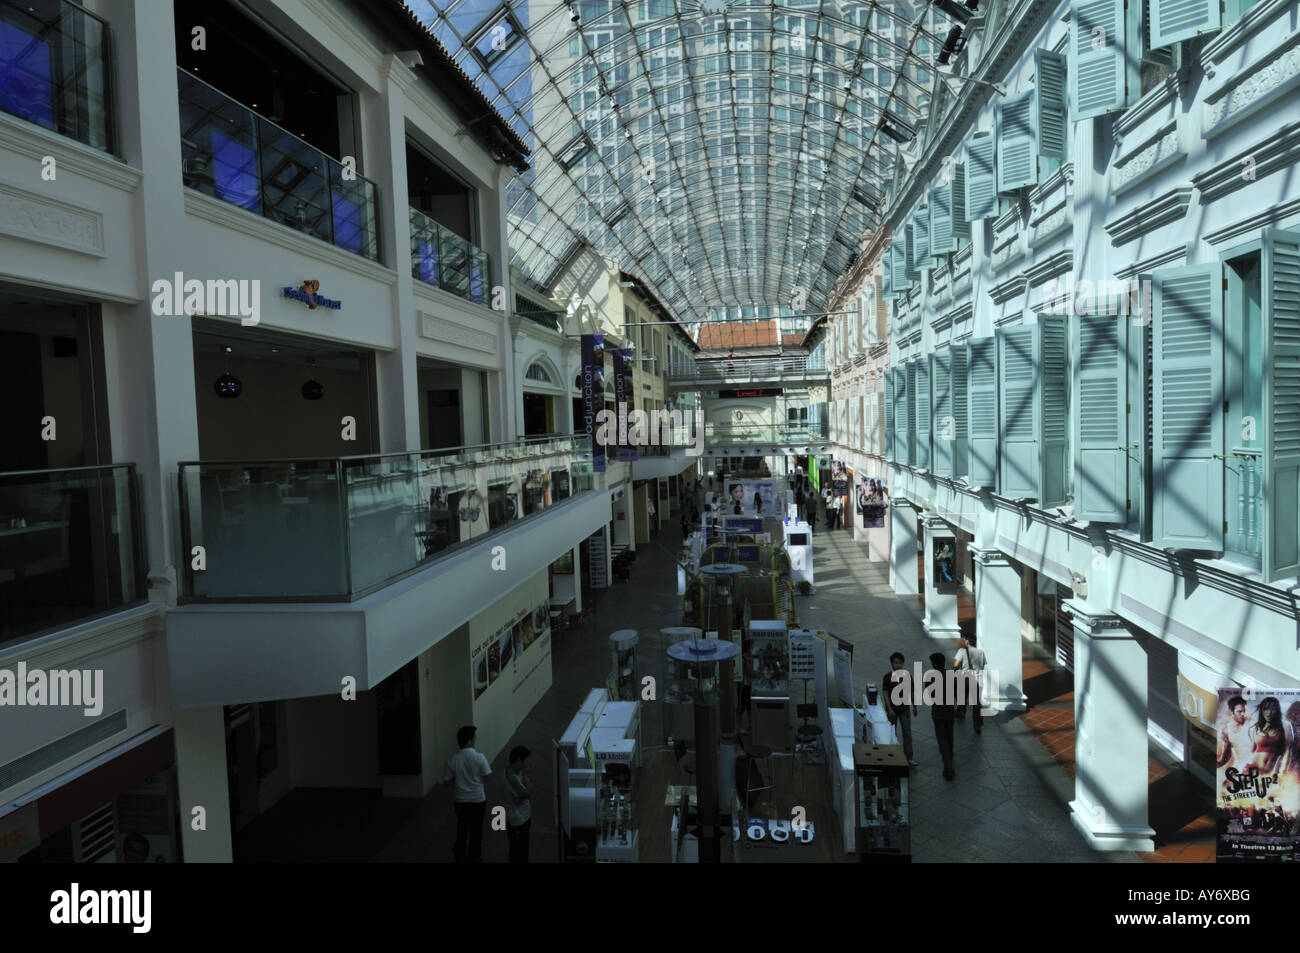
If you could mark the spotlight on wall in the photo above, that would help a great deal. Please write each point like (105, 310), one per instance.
(228, 386)
(950, 46)
(312, 390)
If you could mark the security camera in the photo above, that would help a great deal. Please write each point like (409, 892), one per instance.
(410, 58)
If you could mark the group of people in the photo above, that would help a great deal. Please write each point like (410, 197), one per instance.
(893, 704)
(467, 770)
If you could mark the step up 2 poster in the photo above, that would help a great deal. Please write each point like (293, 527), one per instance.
(1257, 785)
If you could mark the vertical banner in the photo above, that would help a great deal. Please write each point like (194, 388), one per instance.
(593, 393)
(1258, 776)
(624, 396)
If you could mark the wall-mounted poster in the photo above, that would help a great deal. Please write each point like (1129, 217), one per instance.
(1258, 777)
(946, 570)
(500, 654)
(873, 501)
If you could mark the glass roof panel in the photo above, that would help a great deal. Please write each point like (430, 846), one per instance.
(725, 151)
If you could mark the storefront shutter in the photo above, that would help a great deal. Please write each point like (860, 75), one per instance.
(1280, 278)
(982, 383)
(1052, 111)
(1055, 427)
(1099, 74)
(1175, 20)
(1021, 394)
(1017, 142)
(981, 184)
(889, 414)
(1187, 395)
(921, 451)
(960, 461)
(944, 424)
(1100, 460)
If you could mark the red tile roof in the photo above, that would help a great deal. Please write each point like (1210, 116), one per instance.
(724, 336)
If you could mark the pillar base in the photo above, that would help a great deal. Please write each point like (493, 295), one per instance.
(1010, 699)
(939, 631)
(1110, 837)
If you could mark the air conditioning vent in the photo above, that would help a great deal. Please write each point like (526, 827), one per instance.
(97, 836)
(47, 756)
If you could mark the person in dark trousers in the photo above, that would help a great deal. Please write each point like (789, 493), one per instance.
(758, 502)
(900, 701)
(812, 514)
(519, 812)
(944, 713)
(971, 661)
(467, 769)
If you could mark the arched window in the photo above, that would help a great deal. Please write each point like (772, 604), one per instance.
(537, 372)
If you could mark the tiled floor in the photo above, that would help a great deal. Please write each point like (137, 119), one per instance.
(1007, 803)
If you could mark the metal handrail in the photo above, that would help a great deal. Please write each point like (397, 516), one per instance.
(439, 451)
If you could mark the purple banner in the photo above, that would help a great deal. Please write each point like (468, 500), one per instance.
(593, 393)
(623, 397)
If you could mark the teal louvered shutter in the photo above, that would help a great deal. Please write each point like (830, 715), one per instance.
(948, 225)
(889, 414)
(1175, 20)
(1280, 286)
(909, 254)
(921, 238)
(922, 416)
(901, 278)
(1100, 412)
(982, 401)
(886, 277)
(981, 185)
(1100, 73)
(907, 416)
(1054, 381)
(1187, 408)
(1017, 142)
(1019, 367)
(945, 425)
(1052, 73)
(960, 462)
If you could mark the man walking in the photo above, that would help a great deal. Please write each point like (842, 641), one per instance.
(943, 711)
(970, 661)
(900, 701)
(519, 813)
(467, 769)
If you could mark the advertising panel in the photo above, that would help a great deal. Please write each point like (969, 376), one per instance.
(1258, 775)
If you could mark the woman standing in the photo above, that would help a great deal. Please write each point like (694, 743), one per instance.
(1269, 736)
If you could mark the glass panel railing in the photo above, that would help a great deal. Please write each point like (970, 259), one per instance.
(55, 68)
(231, 153)
(717, 434)
(442, 258)
(71, 547)
(336, 529)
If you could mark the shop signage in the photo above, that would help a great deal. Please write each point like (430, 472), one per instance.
(306, 293)
(1197, 704)
(753, 392)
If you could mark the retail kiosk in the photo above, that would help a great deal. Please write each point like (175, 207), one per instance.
(597, 770)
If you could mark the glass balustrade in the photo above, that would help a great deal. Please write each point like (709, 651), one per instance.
(442, 258)
(335, 529)
(756, 433)
(55, 68)
(231, 153)
(71, 547)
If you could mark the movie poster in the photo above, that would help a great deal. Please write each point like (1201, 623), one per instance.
(946, 570)
(872, 502)
(593, 393)
(1258, 778)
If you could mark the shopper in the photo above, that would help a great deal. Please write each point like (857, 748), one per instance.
(812, 514)
(971, 660)
(944, 713)
(900, 701)
(879, 728)
(519, 813)
(467, 769)
(758, 502)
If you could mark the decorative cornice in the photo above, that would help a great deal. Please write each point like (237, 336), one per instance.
(1050, 267)
(1164, 95)
(1216, 51)
(29, 139)
(1279, 151)
(1275, 215)
(1005, 290)
(990, 558)
(1253, 87)
(1146, 218)
(1093, 619)
(438, 328)
(1160, 150)
(1062, 178)
(39, 218)
(1177, 253)
(249, 223)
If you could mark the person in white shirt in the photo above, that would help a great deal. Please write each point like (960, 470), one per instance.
(467, 769)
(879, 729)
(971, 660)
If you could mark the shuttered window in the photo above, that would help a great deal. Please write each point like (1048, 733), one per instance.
(889, 414)
(907, 414)
(921, 412)
(1175, 20)
(949, 229)
(1187, 401)
(1017, 142)
(1281, 423)
(1101, 460)
(1056, 410)
(944, 423)
(1033, 377)
(982, 401)
(921, 238)
(1051, 105)
(980, 182)
(960, 453)
(1102, 78)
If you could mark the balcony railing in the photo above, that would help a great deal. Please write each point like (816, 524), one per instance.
(776, 434)
(547, 319)
(1245, 501)
(230, 152)
(441, 258)
(54, 69)
(71, 547)
(334, 529)
(753, 369)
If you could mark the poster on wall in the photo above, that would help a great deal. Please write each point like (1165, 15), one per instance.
(623, 394)
(593, 390)
(872, 502)
(946, 570)
(500, 654)
(1258, 775)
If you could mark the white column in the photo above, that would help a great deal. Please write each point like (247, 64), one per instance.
(997, 625)
(940, 602)
(201, 782)
(1110, 718)
(902, 567)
